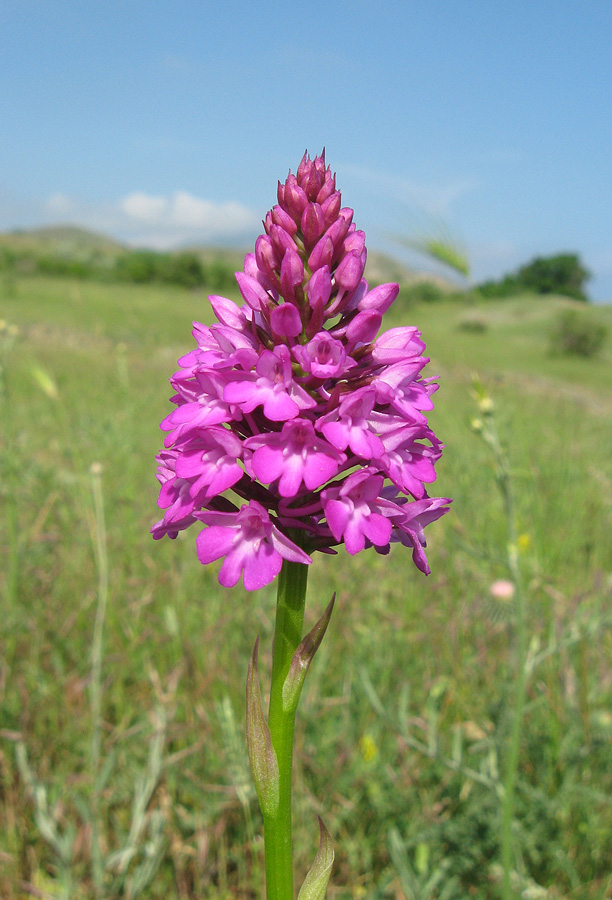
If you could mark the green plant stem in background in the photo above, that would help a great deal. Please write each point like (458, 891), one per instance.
(290, 604)
(512, 762)
(95, 686)
(520, 673)
(520, 664)
(8, 472)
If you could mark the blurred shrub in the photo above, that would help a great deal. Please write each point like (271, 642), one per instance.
(140, 266)
(561, 274)
(576, 334)
(185, 269)
(423, 292)
(473, 325)
(219, 275)
(505, 287)
(63, 266)
(7, 258)
(179, 268)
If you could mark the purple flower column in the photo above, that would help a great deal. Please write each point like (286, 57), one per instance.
(297, 428)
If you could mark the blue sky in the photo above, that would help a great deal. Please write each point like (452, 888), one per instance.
(165, 123)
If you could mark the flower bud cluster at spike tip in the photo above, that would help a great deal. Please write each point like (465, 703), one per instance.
(298, 427)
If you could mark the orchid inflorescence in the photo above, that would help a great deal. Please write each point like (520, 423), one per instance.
(295, 403)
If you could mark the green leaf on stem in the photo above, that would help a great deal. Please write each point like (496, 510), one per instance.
(264, 765)
(316, 881)
(302, 658)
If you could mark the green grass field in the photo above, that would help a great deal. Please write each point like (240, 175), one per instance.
(403, 729)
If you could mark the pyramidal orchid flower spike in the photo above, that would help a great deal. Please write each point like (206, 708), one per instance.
(295, 404)
(298, 427)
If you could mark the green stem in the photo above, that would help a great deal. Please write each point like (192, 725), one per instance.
(290, 604)
(95, 687)
(520, 669)
(518, 712)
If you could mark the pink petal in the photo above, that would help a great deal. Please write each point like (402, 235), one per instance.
(377, 529)
(337, 515)
(261, 567)
(214, 542)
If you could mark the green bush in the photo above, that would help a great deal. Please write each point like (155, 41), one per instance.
(62, 266)
(507, 286)
(140, 266)
(473, 325)
(7, 259)
(576, 334)
(219, 275)
(561, 274)
(180, 268)
(423, 292)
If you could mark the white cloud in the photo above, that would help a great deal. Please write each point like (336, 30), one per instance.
(144, 207)
(156, 220)
(183, 216)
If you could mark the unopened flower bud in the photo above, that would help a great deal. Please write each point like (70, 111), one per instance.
(319, 286)
(313, 225)
(311, 175)
(285, 321)
(322, 254)
(292, 275)
(364, 327)
(329, 188)
(294, 199)
(279, 217)
(267, 258)
(281, 240)
(380, 298)
(350, 271)
(338, 230)
(331, 208)
(252, 291)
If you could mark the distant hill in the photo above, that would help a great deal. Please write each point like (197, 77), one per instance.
(61, 239)
(71, 242)
(381, 268)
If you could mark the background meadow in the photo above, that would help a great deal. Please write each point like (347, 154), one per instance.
(404, 727)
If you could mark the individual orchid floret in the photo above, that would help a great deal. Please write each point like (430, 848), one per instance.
(323, 356)
(271, 386)
(410, 531)
(380, 298)
(409, 463)
(294, 456)
(251, 544)
(210, 462)
(200, 404)
(355, 511)
(348, 426)
(175, 497)
(285, 321)
(397, 345)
